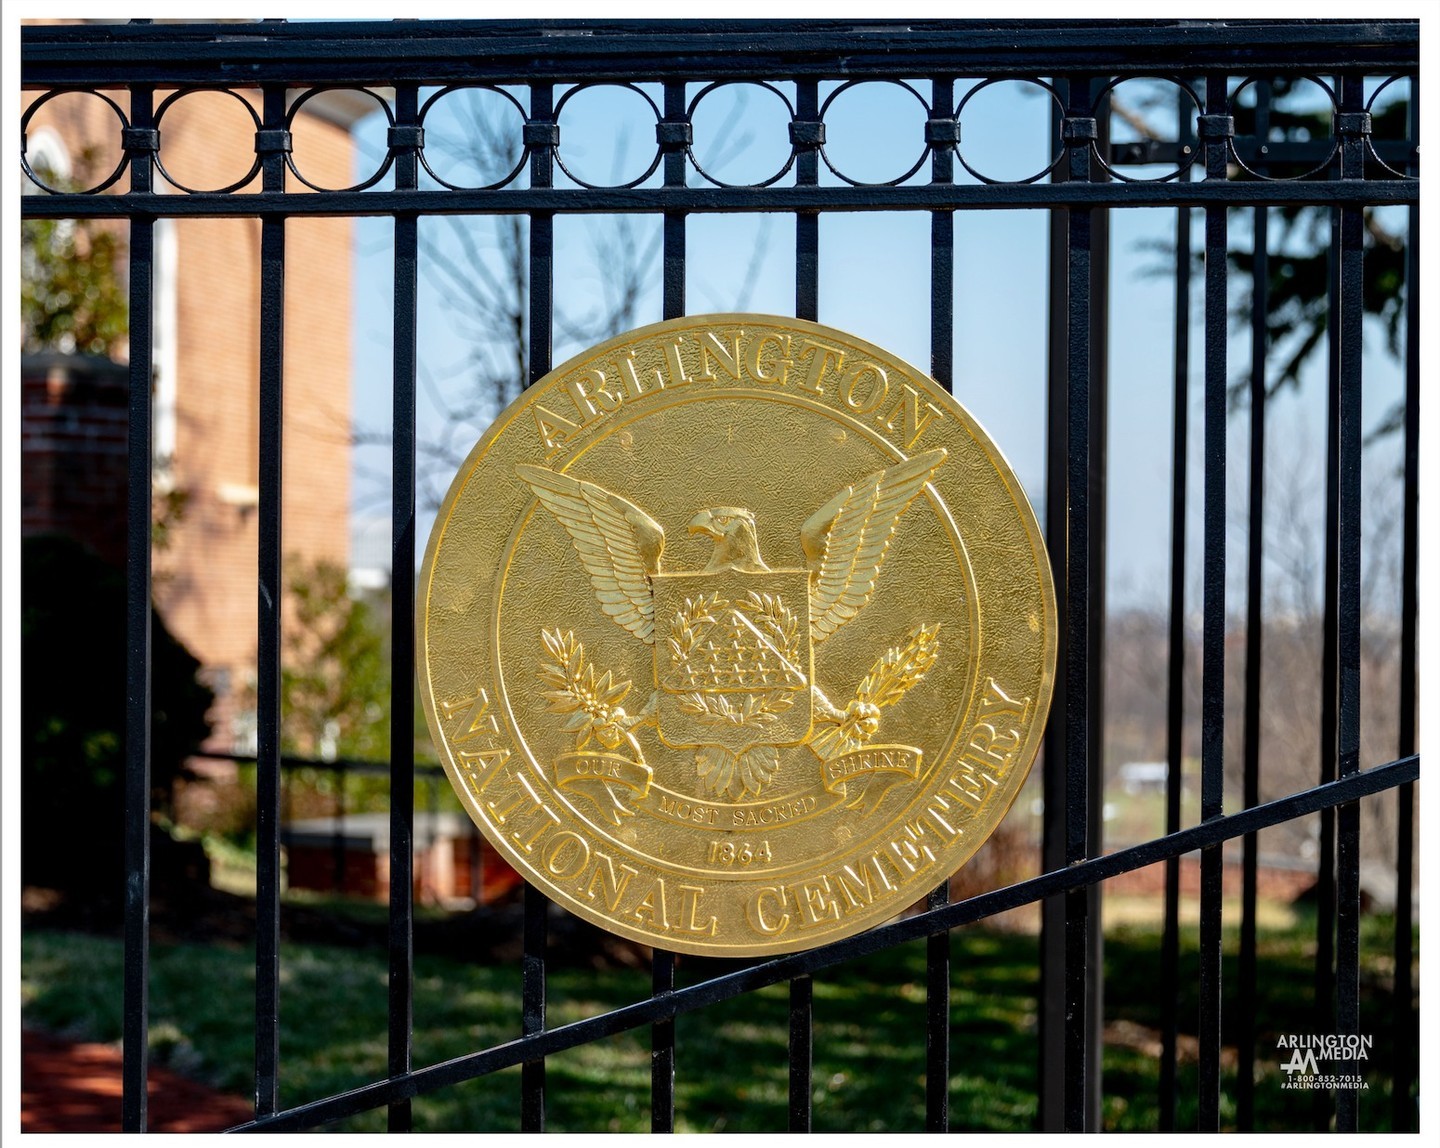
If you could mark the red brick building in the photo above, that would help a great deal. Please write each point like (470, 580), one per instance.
(206, 381)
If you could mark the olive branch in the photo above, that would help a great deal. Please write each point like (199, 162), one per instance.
(894, 673)
(757, 709)
(593, 702)
(899, 668)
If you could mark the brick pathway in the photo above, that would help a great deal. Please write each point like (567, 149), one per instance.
(69, 1087)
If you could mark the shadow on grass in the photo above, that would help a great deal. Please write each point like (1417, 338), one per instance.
(869, 1031)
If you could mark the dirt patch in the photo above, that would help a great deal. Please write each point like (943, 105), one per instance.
(71, 1087)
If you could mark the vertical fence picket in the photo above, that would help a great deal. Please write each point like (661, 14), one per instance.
(273, 148)
(542, 286)
(802, 1002)
(662, 962)
(1175, 666)
(405, 141)
(1254, 639)
(1051, 1002)
(1324, 994)
(1097, 462)
(136, 1002)
(1403, 1115)
(807, 306)
(1352, 128)
(1078, 133)
(1216, 128)
(942, 358)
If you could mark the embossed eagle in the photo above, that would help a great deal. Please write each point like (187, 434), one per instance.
(845, 541)
(739, 702)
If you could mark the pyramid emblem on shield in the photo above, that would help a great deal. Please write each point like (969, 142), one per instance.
(733, 658)
(733, 655)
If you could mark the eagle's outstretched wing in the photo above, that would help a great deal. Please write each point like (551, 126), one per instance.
(846, 539)
(618, 543)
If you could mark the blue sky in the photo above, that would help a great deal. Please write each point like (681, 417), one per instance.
(875, 283)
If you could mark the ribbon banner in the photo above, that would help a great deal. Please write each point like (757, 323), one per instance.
(596, 777)
(864, 776)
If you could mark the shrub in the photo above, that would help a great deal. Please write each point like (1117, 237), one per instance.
(72, 708)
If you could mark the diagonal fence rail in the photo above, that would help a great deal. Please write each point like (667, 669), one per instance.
(932, 922)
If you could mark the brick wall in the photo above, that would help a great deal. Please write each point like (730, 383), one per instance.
(206, 580)
(73, 426)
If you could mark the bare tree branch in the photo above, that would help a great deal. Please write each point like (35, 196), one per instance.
(479, 269)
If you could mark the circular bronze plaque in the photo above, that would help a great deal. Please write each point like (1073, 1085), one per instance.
(737, 635)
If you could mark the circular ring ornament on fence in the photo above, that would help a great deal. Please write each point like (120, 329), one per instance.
(1193, 110)
(170, 102)
(45, 100)
(737, 635)
(575, 93)
(1334, 151)
(1370, 107)
(486, 135)
(736, 89)
(991, 86)
(868, 140)
(319, 94)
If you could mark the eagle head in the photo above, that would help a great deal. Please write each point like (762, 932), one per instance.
(733, 529)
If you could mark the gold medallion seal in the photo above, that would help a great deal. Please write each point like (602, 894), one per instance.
(738, 635)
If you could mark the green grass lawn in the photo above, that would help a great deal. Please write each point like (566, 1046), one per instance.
(869, 1058)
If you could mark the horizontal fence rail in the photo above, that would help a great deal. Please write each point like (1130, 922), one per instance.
(521, 51)
(566, 201)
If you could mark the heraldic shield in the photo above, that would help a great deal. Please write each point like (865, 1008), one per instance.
(732, 658)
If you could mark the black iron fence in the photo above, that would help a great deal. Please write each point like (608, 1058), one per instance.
(1215, 168)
